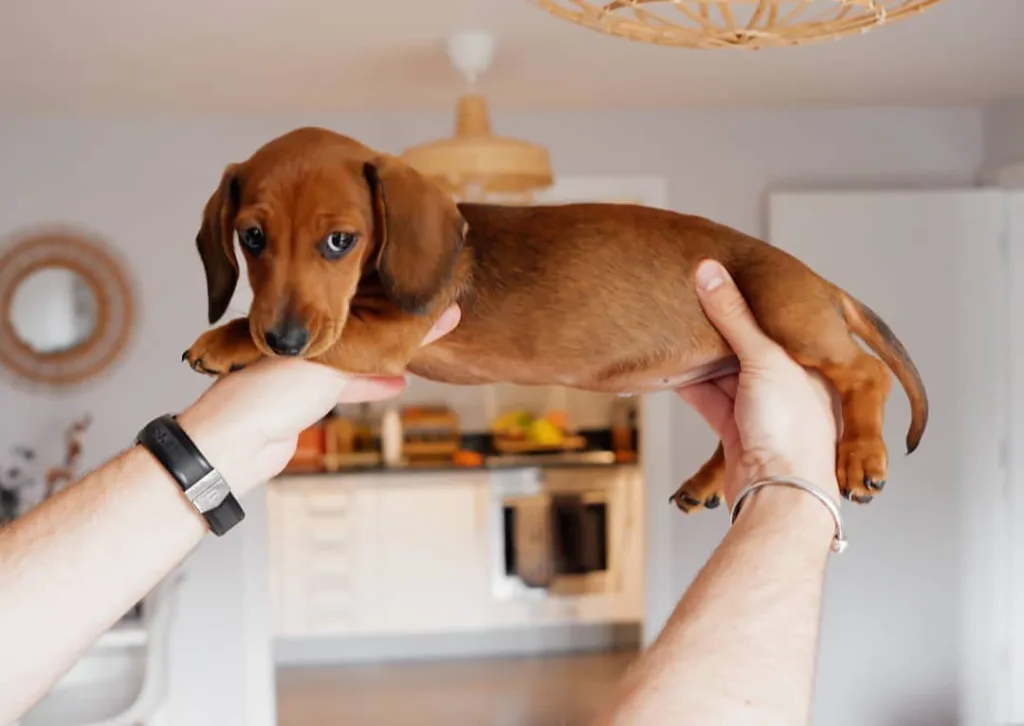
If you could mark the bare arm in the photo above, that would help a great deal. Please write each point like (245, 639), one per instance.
(72, 566)
(740, 648)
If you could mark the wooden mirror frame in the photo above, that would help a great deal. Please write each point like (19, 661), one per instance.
(98, 267)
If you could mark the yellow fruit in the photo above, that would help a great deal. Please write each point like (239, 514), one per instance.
(513, 423)
(542, 431)
(505, 421)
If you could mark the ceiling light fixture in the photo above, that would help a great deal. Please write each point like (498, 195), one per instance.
(746, 24)
(475, 163)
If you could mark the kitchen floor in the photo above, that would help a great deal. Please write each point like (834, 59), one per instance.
(545, 691)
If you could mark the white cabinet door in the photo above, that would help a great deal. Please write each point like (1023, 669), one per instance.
(321, 542)
(912, 613)
(430, 553)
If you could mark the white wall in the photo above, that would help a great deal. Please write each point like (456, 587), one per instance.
(142, 184)
(1004, 133)
(1004, 145)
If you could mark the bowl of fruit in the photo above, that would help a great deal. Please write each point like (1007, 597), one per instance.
(518, 432)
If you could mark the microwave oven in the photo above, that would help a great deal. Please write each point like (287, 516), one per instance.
(557, 533)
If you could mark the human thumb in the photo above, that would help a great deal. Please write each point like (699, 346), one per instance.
(728, 311)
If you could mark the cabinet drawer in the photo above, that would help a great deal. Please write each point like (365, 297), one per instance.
(329, 623)
(336, 542)
(327, 503)
(331, 533)
(320, 568)
(328, 599)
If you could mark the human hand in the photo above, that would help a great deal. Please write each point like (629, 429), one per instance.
(774, 418)
(248, 422)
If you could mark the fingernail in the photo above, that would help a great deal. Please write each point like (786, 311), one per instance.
(710, 275)
(446, 322)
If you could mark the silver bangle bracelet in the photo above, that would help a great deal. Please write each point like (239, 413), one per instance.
(838, 541)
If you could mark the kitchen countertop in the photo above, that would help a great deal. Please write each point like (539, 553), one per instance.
(596, 454)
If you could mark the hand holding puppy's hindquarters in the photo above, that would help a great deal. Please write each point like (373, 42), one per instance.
(774, 418)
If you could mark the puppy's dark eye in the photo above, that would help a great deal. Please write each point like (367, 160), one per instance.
(337, 244)
(252, 239)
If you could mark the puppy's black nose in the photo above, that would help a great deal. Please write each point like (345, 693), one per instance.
(287, 339)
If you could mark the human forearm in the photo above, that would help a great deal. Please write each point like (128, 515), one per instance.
(740, 647)
(73, 565)
(77, 562)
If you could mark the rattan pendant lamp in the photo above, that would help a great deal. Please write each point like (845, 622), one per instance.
(476, 163)
(747, 24)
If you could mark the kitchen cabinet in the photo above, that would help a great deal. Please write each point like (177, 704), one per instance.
(389, 556)
(350, 553)
(319, 558)
(429, 551)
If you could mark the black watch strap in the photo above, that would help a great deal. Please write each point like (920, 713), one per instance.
(201, 483)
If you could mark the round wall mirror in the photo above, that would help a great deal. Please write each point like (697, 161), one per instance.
(53, 310)
(66, 308)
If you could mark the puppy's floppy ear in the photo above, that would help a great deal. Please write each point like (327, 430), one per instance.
(419, 233)
(216, 243)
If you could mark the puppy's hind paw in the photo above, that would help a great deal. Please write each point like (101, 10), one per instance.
(689, 501)
(861, 468)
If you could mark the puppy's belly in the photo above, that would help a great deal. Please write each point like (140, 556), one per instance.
(464, 367)
(661, 378)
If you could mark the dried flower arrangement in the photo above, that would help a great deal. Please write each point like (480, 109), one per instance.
(59, 477)
(17, 477)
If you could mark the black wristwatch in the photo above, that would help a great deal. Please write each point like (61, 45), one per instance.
(201, 483)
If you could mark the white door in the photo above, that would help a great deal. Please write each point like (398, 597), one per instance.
(1013, 542)
(912, 620)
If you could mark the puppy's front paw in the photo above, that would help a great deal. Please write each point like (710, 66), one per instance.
(221, 351)
(861, 468)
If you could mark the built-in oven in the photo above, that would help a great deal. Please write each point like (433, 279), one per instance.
(556, 532)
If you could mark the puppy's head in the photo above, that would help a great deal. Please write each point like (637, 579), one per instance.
(314, 212)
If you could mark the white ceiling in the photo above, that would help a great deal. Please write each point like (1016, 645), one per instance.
(302, 56)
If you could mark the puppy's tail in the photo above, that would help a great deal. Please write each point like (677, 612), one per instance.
(880, 338)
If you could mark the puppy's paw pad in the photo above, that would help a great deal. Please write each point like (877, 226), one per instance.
(690, 503)
(873, 485)
(216, 353)
(861, 469)
(685, 502)
(197, 364)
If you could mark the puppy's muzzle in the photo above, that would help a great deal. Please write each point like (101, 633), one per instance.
(289, 337)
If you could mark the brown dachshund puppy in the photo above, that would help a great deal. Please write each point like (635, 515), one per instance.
(352, 255)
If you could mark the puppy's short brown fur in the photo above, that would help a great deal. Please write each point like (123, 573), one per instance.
(352, 255)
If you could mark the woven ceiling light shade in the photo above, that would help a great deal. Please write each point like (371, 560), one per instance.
(749, 24)
(475, 163)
